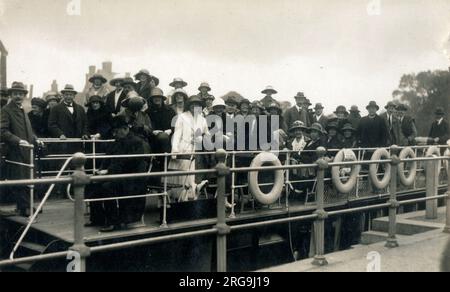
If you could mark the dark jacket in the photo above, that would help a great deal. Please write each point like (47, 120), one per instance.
(161, 118)
(354, 119)
(350, 143)
(334, 143)
(310, 155)
(144, 90)
(292, 115)
(405, 131)
(63, 122)
(111, 104)
(99, 122)
(440, 131)
(323, 120)
(372, 132)
(390, 126)
(39, 124)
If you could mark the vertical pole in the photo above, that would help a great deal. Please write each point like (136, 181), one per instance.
(164, 220)
(287, 183)
(80, 180)
(432, 174)
(222, 228)
(395, 161)
(447, 224)
(31, 186)
(322, 215)
(233, 183)
(94, 164)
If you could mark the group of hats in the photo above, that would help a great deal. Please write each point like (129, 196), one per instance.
(317, 127)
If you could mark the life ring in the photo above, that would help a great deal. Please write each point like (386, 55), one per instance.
(345, 155)
(380, 154)
(433, 150)
(407, 180)
(253, 184)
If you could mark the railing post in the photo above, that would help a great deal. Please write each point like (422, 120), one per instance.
(222, 228)
(319, 224)
(447, 224)
(233, 187)
(394, 205)
(432, 177)
(31, 186)
(80, 180)
(164, 220)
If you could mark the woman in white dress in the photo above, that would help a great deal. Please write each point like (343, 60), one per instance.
(190, 128)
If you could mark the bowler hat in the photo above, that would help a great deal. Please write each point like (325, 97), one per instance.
(373, 104)
(69, 88)
(269, 90)
(204, 85)
(97, 77)
(39, 102)
(301, 95)
(157, 92)
(390, 104)
(116, 80)
(354, 109)
(298, 125)
(439, 111)
(18, 87)
(341, 109)
(318, 106)
(178, 81)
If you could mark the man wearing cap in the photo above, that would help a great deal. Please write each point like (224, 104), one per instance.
(98, 87)
(390, 120)
(440, 130)
(68, 120)
(39, 122)
(405, 130)
(161, 117)
(115, 98)
(16, 132)
(298, 112)
(355, 117)
(319, 116)
(373, 131)
(146, 82)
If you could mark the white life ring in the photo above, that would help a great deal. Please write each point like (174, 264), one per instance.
(433, 150)
(345, 155)
(380, 154)
(253, 184)
(407, 180)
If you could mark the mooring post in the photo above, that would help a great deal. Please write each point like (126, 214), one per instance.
(432, 177)
(447, 222)
(222, 228)
(322, 215)
(80, 180)
(394, 205)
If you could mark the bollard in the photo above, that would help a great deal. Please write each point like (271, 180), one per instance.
(80, 180)
(447, 224)
(319, 224)
(222, 228)
(432, 188)
(393, 208)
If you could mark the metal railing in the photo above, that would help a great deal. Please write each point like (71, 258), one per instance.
(80, 179)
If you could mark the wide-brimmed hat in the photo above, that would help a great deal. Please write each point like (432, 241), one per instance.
(390, 104)
(402, 107)
(274, 105)
(97, 77)
(179, 91)
(231, 101)
(113, 81)
(269, 90)
(95, 98)
(318, 128)
(39, 102)
(298, 125)
(204, 85)
(348, 127)
(178, 81)
(258, 104)
(195, 100)
(128, 81)
(134, 103)
(219, 102)
(318, 106)
(147, 73)
(119, 122)
(157, 92)
(69, 88)
(354, 109)
(18, 87)
(244, 101)
(439, 111)
(373, 104)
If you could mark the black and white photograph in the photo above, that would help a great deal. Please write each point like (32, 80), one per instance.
(224, 142)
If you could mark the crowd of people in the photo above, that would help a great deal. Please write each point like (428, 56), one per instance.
(143, 120)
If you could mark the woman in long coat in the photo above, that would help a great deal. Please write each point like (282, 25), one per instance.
(190, 128)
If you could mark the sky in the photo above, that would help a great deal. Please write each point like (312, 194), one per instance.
(335, 51)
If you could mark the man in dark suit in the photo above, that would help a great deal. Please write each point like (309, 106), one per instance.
(115, 98)
(390, 119)
(439, 131)
(16, 132)
(68, 120)
(299, 112)
(372, 131)
(405, 131)
(319, 116)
